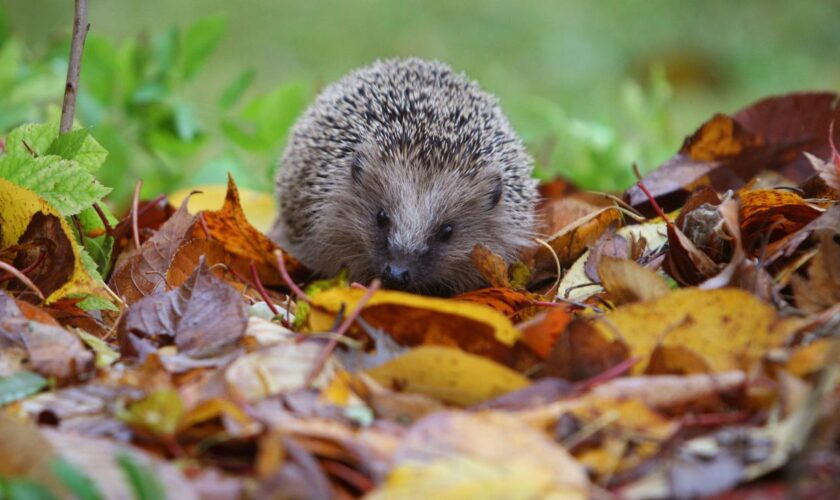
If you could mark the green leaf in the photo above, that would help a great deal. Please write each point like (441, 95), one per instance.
(79, 145)
(158, 413)
(38, 136)
(80, 485)
(199, 41)
(233, 92)
(99, 248)
(20, 385)
(186, 124)
(63, 183)
(94, 303)
(105, 356)
(144, 482)
(24, 489)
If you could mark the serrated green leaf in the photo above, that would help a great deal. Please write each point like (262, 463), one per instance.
(199, 41)
(80, 146)
(20, 385)
(80, 485)
(38, 136)
(63, 183)
(144, 482)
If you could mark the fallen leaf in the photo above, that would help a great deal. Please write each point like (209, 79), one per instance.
(627, 282)
(541, 332)
(768, 214)
(143, 272)
(449, 375)
(822, 288)
(41, 232)
(259, 207)
(571, 241)
(417, 320)
(492, 267)
(204, 317)
(459, 455)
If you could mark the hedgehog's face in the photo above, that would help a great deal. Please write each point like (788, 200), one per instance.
(418, 227)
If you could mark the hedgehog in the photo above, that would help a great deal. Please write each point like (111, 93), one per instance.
(396, 172)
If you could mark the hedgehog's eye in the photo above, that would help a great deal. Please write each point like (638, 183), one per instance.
(445, 232)
(382, 218)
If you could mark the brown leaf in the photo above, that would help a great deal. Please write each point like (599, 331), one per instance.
(143, 272)
(44, 241)
(491, 266)
(204, 317)
(769, 214)
(726, 152)
(581, 353)
(231, 228)
(822, 288)
(609, 244)
(51, 350)
(684, 261)
(570, 242)
(628, 282)
(541, 332)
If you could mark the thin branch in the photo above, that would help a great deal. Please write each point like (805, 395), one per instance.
(22, 277)
(104, 218)
(74, 68)
(261, 289)
(345, 325)
(281, 265)
(135, 202)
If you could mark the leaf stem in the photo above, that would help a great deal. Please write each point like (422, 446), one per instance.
(135, 202)
(288, 279)
(342, 329)
(261, 289)
(22, 277)
(74, 67)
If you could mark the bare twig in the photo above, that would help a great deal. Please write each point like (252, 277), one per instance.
(281, 265)
(22, 277)
(135, 202)
(261, 290)
(342, 329)
(107, 225)
(74, 68)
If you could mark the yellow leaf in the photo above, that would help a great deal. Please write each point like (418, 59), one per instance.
(724, 329)
(429, 316)
(17, 208)
(260, 208)
(448, 374)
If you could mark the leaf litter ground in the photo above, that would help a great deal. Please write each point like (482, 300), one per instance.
(679, 340)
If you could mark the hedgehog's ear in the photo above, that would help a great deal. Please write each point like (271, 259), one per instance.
(496, 192)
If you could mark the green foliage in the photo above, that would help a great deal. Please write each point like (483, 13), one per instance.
(23, 489)
(144, 483)
(20, 385)
(600, 155)
(81, 486)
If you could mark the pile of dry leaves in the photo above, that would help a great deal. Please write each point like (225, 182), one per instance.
(679, 341)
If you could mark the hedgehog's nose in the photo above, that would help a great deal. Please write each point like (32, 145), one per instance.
(396, 276)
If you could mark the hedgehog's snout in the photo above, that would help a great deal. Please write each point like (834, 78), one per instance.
(396, 276)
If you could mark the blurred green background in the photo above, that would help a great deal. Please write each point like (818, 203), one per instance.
(181, 91)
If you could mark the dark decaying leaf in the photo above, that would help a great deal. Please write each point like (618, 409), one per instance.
(44, 241)
(144, 271)
(822, 288)
(204, 317)
(726, 152)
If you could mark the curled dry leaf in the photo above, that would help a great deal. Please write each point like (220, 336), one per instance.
(449, 375)
(627, 282)
(204, 317)
(822, 288)
(143, 271)
(492, 267)
(230, 227)
(769, 214)
(726, 152)
(42, 235)
(571, 241)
